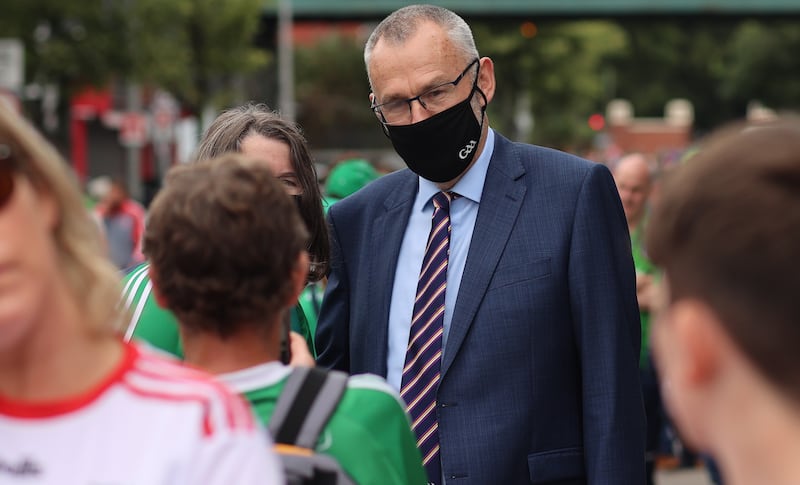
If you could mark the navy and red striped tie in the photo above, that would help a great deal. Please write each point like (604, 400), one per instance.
(421, 373)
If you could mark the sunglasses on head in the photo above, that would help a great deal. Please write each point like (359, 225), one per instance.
(6, 174)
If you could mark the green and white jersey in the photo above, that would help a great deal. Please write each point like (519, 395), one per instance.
(368, 435)
(643, 265)
(158, 326)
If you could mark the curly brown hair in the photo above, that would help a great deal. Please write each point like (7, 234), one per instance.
(223, 238)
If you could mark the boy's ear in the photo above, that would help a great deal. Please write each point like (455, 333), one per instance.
(701, 334)
(159, 297)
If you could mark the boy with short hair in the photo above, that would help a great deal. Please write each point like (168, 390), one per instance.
(227, 253)
(727, 233)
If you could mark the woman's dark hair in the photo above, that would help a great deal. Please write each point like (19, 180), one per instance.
(226, 134)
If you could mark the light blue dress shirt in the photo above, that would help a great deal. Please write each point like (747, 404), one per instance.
(463, 212)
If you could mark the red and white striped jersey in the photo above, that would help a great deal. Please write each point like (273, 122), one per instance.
(151, 422)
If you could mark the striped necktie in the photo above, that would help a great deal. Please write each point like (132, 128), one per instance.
(421, 372)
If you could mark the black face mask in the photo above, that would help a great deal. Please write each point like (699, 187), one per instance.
(441, 147)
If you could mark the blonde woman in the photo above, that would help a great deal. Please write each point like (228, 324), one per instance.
(66, 377)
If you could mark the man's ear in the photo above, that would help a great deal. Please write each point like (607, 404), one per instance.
(299, 277)
(486, 80)
(699, 332)
(159, 297)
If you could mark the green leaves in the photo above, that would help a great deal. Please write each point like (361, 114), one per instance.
(193, 48)
(559, 75)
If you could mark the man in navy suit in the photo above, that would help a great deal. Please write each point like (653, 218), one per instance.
(492, 283)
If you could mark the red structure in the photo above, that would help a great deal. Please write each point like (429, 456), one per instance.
(650, 135)
(84, 106)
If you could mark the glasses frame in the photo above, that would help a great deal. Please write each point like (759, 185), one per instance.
(7, 172)
(376, 108)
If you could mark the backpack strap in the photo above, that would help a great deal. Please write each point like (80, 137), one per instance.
(306, 404)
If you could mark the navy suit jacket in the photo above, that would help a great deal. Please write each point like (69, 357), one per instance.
(540, 380)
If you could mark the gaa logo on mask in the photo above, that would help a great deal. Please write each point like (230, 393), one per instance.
(464, 153)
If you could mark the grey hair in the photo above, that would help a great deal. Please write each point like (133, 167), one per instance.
(401, 24)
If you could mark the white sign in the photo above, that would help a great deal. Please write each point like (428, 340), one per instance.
(133, 130)
(164, 111)
(12, 65)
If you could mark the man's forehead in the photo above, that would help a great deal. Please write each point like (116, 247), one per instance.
(633, 167)
(423, 60)
(428, 41)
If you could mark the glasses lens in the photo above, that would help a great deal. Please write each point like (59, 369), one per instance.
(395, 112)
(439, 98)
(6, 182)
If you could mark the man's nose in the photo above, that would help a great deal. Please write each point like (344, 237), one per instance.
(418, 111)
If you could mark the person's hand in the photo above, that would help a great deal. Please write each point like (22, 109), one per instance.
(645, 289)
(301, 357)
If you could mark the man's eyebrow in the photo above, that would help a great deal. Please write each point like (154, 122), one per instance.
(433, 83)
(390, 99)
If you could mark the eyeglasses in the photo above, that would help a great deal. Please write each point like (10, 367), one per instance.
(7, 171)
(436, 99)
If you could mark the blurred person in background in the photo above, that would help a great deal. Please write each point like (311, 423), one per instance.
(123, 222)
(634, 184)
(256, 131)
(77, 405)
(227, 252)
(726, 231)
(347, 177)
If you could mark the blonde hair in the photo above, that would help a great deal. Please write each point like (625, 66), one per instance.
(92, 280)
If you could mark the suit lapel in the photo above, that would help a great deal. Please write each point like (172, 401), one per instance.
(501, 199)
(387, 237)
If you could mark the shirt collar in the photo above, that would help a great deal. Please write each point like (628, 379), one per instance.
(256, 377)
(470, 185)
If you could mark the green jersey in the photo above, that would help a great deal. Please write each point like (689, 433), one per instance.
(643, 266)
(368, 435)
(158, 326)
(310, 301)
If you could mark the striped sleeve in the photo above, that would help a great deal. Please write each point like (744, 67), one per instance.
(135, 294)
(162, 379)
(232, 446)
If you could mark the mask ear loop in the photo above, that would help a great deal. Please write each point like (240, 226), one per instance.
(477, 88)
(485, 105)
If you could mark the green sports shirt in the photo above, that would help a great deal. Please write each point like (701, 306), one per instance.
(368, 434)
(645, 266)
(157, 326)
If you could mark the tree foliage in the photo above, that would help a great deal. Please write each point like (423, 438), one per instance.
(193, 48)
(761, 63)
(720, 66)
(66, 43)
(558, 75)
(332, 92)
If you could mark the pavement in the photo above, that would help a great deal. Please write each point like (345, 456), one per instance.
(692, 476)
